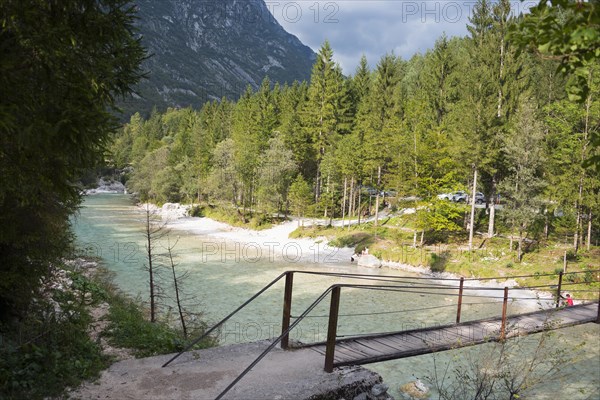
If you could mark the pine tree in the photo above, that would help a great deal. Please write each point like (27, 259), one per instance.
(375, 125)
(524, 184)
(322, 114)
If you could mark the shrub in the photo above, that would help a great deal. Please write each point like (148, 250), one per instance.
(128, 327)
(352, 240)
(572, 255)
(50, 349)
(438, 262)
(197, 211)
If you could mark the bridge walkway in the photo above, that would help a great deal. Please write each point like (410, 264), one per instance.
(391, 346)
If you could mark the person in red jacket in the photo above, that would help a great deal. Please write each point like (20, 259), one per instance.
(569, 300)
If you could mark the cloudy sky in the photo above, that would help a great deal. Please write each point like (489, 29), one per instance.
(374, 27)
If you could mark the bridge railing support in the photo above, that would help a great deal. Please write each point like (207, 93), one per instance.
(558, 288)
(334, 309)
(504, 305)
(598, 317)
(460, 296)
(287, 310)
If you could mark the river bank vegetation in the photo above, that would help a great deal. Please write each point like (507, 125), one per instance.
(79, 325)
(473, 114)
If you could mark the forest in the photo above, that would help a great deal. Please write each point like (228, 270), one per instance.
(512, 107)
(472, 108)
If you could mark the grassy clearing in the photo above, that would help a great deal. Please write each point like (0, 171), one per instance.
(449, 253)
(236, 217)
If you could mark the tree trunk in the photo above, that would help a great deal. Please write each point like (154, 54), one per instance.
(472, 220)
(577, 227)
(511, 242)
(377, 198)
(177, 297)
(579, 204)
(520, 249)
(491, 216)
(327, 204)
(422, 238)
(589, 231)
(359, 201)
(501, 75)
(318, 184)
(492, 208)
(415, 239)
(351, 200)
(150, 266)
(344, 202)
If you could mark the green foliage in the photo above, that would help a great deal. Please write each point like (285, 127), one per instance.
(130, 328)
(234, 216)
(417, 128)
(63, 65)
(566, 30)
(50, 349)
(300, 196)
(438, 262)
(355, 239)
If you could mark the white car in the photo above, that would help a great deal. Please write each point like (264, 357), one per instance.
(445, 196)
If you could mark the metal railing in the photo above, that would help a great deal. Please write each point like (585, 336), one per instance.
(395, 285)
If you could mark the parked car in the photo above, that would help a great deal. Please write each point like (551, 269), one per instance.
(464, 197)
(388, 193)
(460, 196)
(479, 198)
(445, 196)
(369, 190)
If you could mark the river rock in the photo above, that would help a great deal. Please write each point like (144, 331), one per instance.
(107, 186)
(173, 211)
(368, 260)
(414, 390)
(379, 389)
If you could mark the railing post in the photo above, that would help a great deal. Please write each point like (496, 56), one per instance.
(460, 294)
(332, 329)
(598, 317)
(287, 309)
(504, 304)
(560, 276)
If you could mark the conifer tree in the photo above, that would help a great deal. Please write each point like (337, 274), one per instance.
(322, 114)
(375, 125)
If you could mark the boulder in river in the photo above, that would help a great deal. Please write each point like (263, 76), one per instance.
(414, 390)
(368, 260)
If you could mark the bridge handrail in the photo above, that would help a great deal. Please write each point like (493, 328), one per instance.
(277, 340)
(218, 324)
(387, 278)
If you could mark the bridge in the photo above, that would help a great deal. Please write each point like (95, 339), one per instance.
(338, 351)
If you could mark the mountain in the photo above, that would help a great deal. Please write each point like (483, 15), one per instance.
(203, 50)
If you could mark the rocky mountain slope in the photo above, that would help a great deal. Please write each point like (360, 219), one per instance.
(206, 49)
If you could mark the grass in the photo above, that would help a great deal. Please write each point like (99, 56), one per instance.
(490, 258)
(235, 217)
(129, 328)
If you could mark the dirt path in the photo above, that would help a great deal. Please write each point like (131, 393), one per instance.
(205, 373)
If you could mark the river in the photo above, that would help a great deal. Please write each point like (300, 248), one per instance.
(223, 273)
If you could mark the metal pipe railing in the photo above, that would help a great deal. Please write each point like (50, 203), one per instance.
(205, 334)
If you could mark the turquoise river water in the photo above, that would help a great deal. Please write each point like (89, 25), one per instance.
(222, 274)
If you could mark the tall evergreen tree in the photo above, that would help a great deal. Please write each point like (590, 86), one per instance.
(322, 114)
(381, 105)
